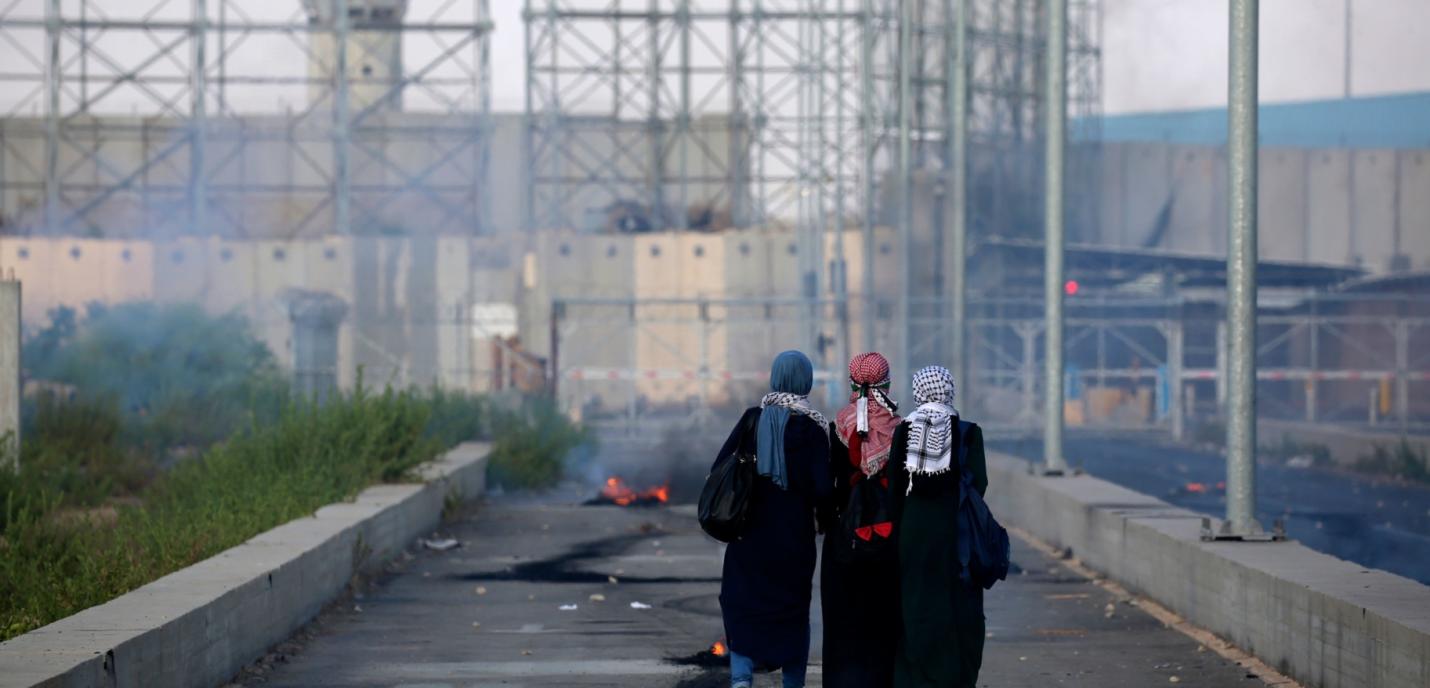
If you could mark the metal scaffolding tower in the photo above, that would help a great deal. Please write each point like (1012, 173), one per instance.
(687, 108)
(816, 114)
(220, 117)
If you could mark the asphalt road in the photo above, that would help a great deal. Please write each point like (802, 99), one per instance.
(1371, 521)
(490, 614)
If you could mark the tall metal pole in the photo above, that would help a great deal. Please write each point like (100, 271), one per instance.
(655, 130)
(342, 183)
(1346, 53)
(198, 128)
(868, 144)
(52, 117)
(484, 105)
(1056, 102)
(738, 155)
(1241, 274)
(683, 124)
(956, 260)
(905, 177)
(841, 269)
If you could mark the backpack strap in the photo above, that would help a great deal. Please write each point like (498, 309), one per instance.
(963, 428)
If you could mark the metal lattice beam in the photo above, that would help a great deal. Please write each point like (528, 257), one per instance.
(158, 117)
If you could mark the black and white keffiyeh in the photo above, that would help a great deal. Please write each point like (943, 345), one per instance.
(796, 403)
(931, 425)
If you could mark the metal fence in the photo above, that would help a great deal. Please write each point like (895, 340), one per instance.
(1137, 363)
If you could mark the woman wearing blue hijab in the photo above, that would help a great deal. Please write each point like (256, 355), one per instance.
(767, 579)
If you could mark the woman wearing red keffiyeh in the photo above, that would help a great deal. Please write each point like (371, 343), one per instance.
(860, 591)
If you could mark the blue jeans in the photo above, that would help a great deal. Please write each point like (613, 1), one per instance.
(742, 669)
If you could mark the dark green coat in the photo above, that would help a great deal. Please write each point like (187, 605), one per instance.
(941, 643)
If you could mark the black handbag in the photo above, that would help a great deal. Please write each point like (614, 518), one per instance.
(867, 523)
(726, 498)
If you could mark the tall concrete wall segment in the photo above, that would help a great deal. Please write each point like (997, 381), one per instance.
(1336, 206)
(199, 626)
(1325, 622)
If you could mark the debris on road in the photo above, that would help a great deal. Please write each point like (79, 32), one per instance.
(639, 605)
(481, 589)
(568, 607)
(612, 580)
(598, 597)
(441, 545)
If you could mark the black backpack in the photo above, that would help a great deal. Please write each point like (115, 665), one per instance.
(725, 501)
(867, 523)
(983, 547)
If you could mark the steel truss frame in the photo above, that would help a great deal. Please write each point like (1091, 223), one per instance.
(184, 68)
(746, 105)
(819, 106)
(806, 93)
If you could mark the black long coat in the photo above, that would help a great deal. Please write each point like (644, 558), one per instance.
(860, 598)
(768, 576)
(941, 645)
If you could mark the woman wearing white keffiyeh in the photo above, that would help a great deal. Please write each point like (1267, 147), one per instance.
(930, 449)
(941, 640)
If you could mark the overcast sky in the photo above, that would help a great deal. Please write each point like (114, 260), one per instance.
(1158, 54)
(1171, 54)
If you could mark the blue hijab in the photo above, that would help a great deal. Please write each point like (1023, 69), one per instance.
(791, 373)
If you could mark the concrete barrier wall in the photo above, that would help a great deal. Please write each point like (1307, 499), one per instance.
(1346, 445)
(1323, 621)
(199, 626)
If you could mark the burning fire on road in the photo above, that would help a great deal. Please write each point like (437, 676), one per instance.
(716, 656)
(616, 491)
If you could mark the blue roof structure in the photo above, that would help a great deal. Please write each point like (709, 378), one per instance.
(1393, 121)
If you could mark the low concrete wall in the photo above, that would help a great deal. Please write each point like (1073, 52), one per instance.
(1323, 621)
(1346, 445)
(199, 626)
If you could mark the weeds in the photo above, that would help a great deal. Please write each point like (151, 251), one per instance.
(177, 376)
(90, 515)
(532, 442)
(310, 456)
(1404, 461)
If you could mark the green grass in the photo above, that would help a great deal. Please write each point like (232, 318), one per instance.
(55, 562)
(168, 435)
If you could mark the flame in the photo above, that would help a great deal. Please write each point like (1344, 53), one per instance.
(622, 494)
(1196, 488)
(718, 649)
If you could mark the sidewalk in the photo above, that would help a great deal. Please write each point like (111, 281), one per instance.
(489, 614)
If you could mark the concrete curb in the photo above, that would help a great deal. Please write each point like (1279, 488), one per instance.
(1321, 620)
(200, 625)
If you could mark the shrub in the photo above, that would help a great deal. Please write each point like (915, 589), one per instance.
(70, 457)
(178, 376)
(1404, 461)
(532, 442)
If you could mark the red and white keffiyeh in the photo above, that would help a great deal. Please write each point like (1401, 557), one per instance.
(868, 429)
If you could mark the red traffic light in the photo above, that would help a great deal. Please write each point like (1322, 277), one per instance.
(1070, 287)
